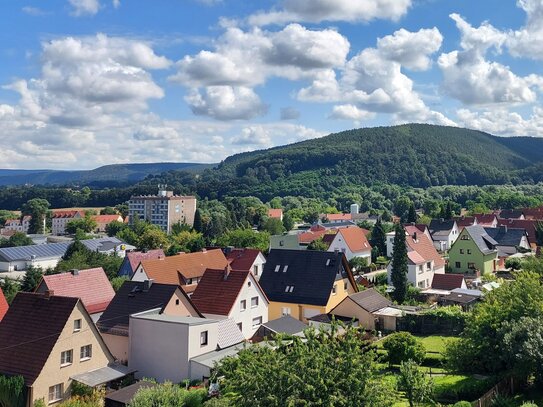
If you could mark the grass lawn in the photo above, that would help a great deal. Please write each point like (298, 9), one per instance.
(435, 343)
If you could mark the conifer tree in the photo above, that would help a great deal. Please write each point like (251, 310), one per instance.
(448, 211)
(378, 238)
(411, 214)
(398, 275)
(197, 225)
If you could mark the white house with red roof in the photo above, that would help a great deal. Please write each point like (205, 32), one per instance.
(91, 286)
(353, 242)
(275, 214)
(133, 259)
(18, 225)
(59, 220)
(246, 259)
(103, 220)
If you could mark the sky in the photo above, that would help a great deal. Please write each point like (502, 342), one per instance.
(84, 83)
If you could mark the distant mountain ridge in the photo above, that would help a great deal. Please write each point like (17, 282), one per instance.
(107, 175)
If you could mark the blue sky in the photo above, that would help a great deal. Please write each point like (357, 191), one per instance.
(85, 83)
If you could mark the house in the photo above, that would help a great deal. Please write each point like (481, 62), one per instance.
(3, 305)
(133, 259)
(163, 346)
(486, 220)
(463, 221)
(414, 227)
(60, 218)
(474, 250)
(184, 269)
(285, 241)
(353, 242)
(108, 245)
(275, 214)
(91, 286)
(533, 213)
(232, 294)
(361, 306)
(423, 260)
(444, 233)
(530, 226)
(305, 283)
(336, 217)
(514, 214)
(103, 220)
(286, 325)
(50, 341)
(22, 257)
(463, 300)
(18, 225)
(448, 281)
(123, 397)
(245, 259)
(134, 297)
(509, 240)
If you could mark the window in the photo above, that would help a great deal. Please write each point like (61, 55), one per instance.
(334, 289)
(285, 268)
(254, 302)
(66, 357)
(77, 325)
(277, 268)
(345, 285)
(471, 265)
(421, 284)
(203, 338)
(464, 237)
(85, 352)
(257, 321)
(243, 305)
(255, 270)
(429, 265)
(285, 311)
(240, 326)
(461, 251)
(55, 392)
(469, 251)
(248, 284)
(457, 265)
(177, 301)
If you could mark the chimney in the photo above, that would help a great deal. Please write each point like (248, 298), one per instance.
(227, 271)
(48, 294)
(75, 272)
(336, 251)
(204, 250)
(147, 285)
(415, 236)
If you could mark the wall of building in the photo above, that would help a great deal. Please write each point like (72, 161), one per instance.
(246, 317)
(484, 263)
(182, 309)
(53, 373)
(339, 244)
(275, 310)
(348, 308)
(118, 345)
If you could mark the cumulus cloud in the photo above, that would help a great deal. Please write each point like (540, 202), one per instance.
(350, 112)
(289, 113)
(316, 11)
(528, 41)
(33, 11)
(253, 135)
(504, 122)
(84, 7)
(116, 3)
(272, 134)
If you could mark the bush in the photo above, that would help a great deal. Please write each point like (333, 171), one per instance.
(461, 388)
(502, 401)
(218, 402)
(529, 404)
(401, 347)
(462, 404)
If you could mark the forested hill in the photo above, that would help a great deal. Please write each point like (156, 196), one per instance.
(417, 155)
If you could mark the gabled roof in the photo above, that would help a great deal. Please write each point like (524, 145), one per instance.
(3, 305)
(29, 331)
(242, 259)
(333, 217)
(310, 235)
(440, 227)
(275, 213)
(135, 258)
(355, 239)
(463, 221)
(506, 236)
(91, 286)
(510, 214)
(480, 237)
(447, 281)
(67, 214)
(485, 219)
(107, 218)
(527, 224)
(303, 276)
(287, 325)
(168, 270)
(370, 300)
(533, 213)
(131, 299)
(422, 246)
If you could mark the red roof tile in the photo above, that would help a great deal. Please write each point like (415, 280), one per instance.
(486, 219)
(3, 305)
(355, 239)
(242, 259)
(91, 285)
(333, 217)
(309, 236)
(423, 246)
(462, 221)
(135, 258)
(275, 213)
(447, 281)
(67, 214)
(107, 218)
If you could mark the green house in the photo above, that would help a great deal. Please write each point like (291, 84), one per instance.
(473, 250)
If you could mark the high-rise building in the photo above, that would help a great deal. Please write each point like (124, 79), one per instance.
(164, 209)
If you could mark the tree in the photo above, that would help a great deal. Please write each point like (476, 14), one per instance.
(539, 232)
(86, 224)
(398, 275)
(318, 245)
(401, 347)
(358, 263)
(12, 391)
(378, 238)
(197, 224)
(288, 221)
(31, 279)
(113, 228)
(273, 226)
(448, 215)
(168, 394)
(401, 207)
(122, 209)
(108, 210)
(37, 208)
(245, 238)
(413, 382)
(513, 263)
(16, 240)
(324, 369)
(153, 238)
(411, 214)
(10, 288)
(187, 242)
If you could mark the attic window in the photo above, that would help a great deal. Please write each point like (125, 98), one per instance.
(289, 288)
(277, 268)
(328, 262)
(464, 237)
(285, 268)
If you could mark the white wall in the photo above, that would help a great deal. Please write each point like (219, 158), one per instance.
(139, 274)
(258, 266)
(418, 278)
(246, 317)
(340, 244)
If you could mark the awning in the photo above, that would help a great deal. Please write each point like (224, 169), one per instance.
(104, 375)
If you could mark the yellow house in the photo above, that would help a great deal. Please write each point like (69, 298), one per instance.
(305, 283)
(51, 341)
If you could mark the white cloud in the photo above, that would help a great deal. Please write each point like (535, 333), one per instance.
(504, 122)
(33, 11)
(226, 103)
(84, 7)
(289, 113)
(116, 3)
(528, 41)
(253, 135)
(316, 11)
(272, 134)
(350, 112)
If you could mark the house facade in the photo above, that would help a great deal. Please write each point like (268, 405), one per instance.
(133, 259)
(103, 220)
(444, 233)
(473, 250)
(60, 219)
(18, 225)
(352, 242)
(246, 259)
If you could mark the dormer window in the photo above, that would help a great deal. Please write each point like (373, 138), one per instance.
(277, 268)
(289, 288)
(328, 262)
(285, 268)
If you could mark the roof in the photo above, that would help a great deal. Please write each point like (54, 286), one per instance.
(329, 318)
(533, 213)
(217, 294)
(189, 265)
(447, 281)
(422, 246)
(67, 214)
(332, 217)
(309, 275)
(131, 299)
(126, 394)
(287, 325)
(228, 333)
(415, 258)
(463, 221)
(467, 291)
(242, 259)
(441, 226)
(135, 258)
(527, 224)
(107, 218)
(29, 331)
(210, 359)
(355, 238)
(459, 298)
(506, 236)
(275, 213)
(41, 251)
(102, 244)
(390, 311)
(3, 305)
(480, 237)
(485, 219)
(310, 235)
(91, 286)
(103, 375)
(510, 214)
(370, 300)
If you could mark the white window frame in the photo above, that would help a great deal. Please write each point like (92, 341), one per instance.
(77, 325)
(285, 311)
(254, 302)
(204, 338)
(85, 352)
(257, 321)
(242, 305)
(55, 393)
(66, 357)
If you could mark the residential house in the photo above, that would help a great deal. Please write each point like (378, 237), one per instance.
(286, 241)
(133, 259)
(286, 325)
(487, 220)
(184, 269)
(423, 260)
(336, 217)
(509, 240)
(103, 220)
(444, 233)
(448, 281)
(533, 213)
(134, 297)
(529, 225)
(60, 219)
(233, 294)
(245, 259)
(305, 283)
(165, 346)
(415, 227)
(275, 214)
(91, 286)
(514, 214)
(50, 340)
(463, 221)
(474, 250)
(18, 225)
(353, 242)
(462, 299)
(3, 305)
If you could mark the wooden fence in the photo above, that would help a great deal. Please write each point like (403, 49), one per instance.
(504, 388)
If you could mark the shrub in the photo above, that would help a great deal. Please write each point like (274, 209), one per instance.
(462, 404)
(502, 401)
(401, 347)
(528, 404)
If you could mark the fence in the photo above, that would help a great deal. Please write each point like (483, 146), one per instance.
(429, 324)
(504, 388)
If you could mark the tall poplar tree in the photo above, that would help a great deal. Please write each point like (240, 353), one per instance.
(398, 275)
(197, 225)
(411, 214)
(378, 238)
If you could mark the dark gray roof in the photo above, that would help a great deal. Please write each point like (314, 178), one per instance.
(126, 394)
(371, 300)
(102, 244)
(459, 298)
(511, 213)
(286, 325)
(41, 251)
(310, 274)
(506, 236)
(441, 226)
(328, 318)
(480, 237)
